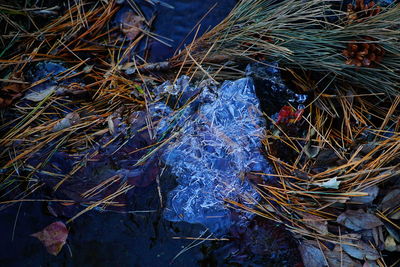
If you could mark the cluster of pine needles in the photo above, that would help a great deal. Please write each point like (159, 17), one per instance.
(84, 40)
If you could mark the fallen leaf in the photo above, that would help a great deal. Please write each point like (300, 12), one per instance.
(393, 231)
(326, 157)
(358, 220)
(289, 115)
(370, 264)
(69, 120)
(53, 237)
(39, 96)
(390, 244)
(361, 250)
(395, 215)
(366, 148)
(131, 24)
(88, 68)
(332, 183)
(312, 256)
(372, 192)
(317, 223)
(391, 200)
(337, 257)
(111, 125)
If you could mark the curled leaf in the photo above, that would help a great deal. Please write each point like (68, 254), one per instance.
(53, 237)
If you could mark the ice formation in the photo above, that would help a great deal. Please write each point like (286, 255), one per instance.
(216, 146)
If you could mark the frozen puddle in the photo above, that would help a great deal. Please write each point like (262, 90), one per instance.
(218, 142)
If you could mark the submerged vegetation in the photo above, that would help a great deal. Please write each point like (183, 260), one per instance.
(77, 88)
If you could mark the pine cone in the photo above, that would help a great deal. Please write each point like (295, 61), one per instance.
(363, 54)
(360, 11)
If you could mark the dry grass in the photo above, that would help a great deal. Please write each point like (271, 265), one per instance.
(346, 120)
(82, 39)
(301, 35)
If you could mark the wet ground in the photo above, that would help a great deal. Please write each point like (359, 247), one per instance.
(98, 239)
(142, 237)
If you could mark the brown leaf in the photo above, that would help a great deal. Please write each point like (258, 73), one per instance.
(337, 257)
(317, 223)
(312, 256)
(358, 220)
(131, 24)
(53, 237)
(361, 250)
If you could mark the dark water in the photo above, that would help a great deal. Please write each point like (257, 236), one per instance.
(138, 238)
(97, 239)
(176, 23)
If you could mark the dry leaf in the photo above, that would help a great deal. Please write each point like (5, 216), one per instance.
(312, 256)
(326, 157)
(358, 220)
(317, 223)
(391, 200)
(111, 125)
(390, 244)
(395, 215)
(372, 194)
(361, 250)
(332, 183)
(39, 96)
(131, 24)
(370, 264)
(337, 257)
(70, 119)
(393, 231)
(53, 237)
